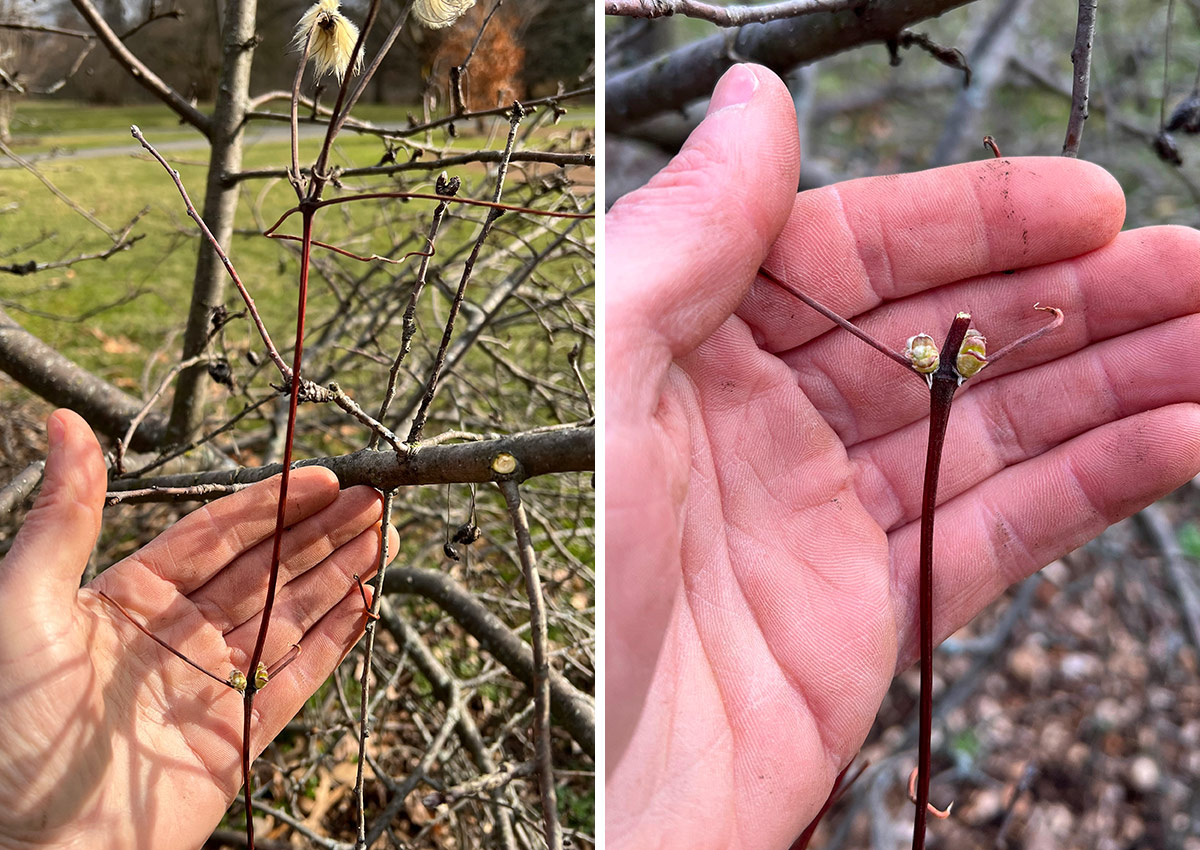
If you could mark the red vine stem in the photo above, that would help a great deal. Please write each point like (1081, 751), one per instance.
(838, 320)
(277, 541)
(943, 385)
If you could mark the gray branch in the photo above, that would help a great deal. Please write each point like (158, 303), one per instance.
(568, 706)
(690, 72)
(42, 370)
(535, 453)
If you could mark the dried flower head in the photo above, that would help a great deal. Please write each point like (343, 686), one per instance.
(972, 354)
(436, 14)
(333, 38)
(922, 351)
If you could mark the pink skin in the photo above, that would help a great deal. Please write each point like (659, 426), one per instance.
(108, 740)
(764, 473)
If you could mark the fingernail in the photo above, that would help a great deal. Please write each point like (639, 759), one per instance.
(735, 88)
(55, 431)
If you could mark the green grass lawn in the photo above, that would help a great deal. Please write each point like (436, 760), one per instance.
(153, 279)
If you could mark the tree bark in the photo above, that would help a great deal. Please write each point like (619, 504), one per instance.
(220, 205)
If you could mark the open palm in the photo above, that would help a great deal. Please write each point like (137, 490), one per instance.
(110, 741)
(764, 472)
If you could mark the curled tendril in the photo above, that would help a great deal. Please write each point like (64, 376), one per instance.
(940, 814)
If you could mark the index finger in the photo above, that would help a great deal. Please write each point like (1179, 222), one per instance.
(856, 244)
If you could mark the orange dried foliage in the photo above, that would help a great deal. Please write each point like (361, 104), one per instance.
(494, 76)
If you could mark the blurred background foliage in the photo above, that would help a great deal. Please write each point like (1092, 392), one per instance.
(860, 115)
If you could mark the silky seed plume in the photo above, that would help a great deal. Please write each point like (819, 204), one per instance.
(436, 14)
(333, 38)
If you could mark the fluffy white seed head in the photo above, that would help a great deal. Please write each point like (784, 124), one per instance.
(333, 38)
(436, 14)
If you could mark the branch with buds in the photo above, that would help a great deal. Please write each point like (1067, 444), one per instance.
(962, 356)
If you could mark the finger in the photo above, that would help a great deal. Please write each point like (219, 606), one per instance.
(206, 541)
(307, 599)
(1142, 277)
(859, 243)
(237, 593)
(52, 548)
(1026, 516)
(1020, 416)
(324, 644)
(682, 249)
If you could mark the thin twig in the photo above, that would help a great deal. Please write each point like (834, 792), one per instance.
(1081, 58)
(839, 321)
(725, 16)
(573, 359)
(364, 718)
(139, 71)
(294, 176)
(345, 103)
(426, 196)
(413, 129)
(410, 313)
(541, 667)
(447, 689)
(54, 190)
(456, 73)
(1155, 523)
(1162, 104)
(159, 640)
(1029, 337)
(272, 352)
(123, 444)
(418, 424)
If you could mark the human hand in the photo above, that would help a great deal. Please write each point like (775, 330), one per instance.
(110, 741)
(764, 474)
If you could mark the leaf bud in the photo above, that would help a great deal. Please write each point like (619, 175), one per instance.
(922, 351)
(972, 354)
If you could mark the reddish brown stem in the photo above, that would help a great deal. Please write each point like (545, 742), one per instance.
(159, 640)
(943, 385)
(840, 786)
(277, 541)
(838, 320)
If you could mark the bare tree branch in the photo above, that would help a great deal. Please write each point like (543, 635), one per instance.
(138, 70)
(726, 16)
(535, 453)
(18, 490)
(41, 369)
(541, 664)
(1081, 58)
(568, 706)
(690, 72)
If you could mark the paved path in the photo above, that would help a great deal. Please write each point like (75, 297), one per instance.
(194, 141)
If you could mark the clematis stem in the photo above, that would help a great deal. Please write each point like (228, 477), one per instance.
(945, 374)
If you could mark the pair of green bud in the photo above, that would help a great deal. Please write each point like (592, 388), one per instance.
(923, 353)
(238, 679)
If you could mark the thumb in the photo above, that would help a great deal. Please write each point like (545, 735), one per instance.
(52, 548)
(682, 250)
